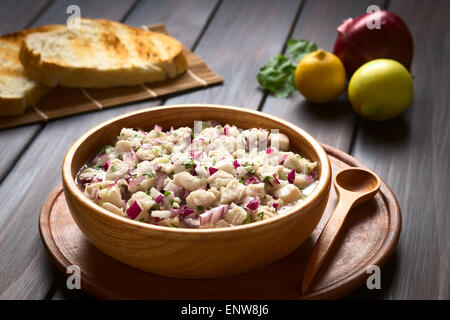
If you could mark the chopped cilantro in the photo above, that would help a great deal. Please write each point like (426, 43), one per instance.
(167, 193)
(266, 178)
(261, 214)
(114, 168)
(248, 219)
(149, 174)
(171, 202)
(174, 225)
(98, 167)
(199, 208)
(188, 163)
(147, 192)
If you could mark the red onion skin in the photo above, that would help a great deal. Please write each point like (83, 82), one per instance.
(356, 44)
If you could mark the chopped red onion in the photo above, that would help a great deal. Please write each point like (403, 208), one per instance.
(309, 178)
(157, 128)
(275, 205)
(197, 155)
(253, 204)
(269, 150)
(134, 182)
(107, 164)
(177, 211)
(205, 217)
(252, 180)
(172, 187)
(187, 211)
(160, 181)
(225, 130)
(109, 186)
(283, 158)
(212, 170)
(159, 198)
(275, 179)
(236, 164)
(134, 210)
(291, 176)
(213, 215)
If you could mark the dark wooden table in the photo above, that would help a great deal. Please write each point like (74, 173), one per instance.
(235, 38)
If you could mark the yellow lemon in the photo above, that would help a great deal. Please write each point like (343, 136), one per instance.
(381, 89)
(320, 77)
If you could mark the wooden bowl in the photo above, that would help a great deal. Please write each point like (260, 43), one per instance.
(194, 253)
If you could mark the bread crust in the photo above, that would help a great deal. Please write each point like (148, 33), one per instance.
(153, 64)
(13, 98)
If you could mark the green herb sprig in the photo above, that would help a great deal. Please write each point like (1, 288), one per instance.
(277, 75)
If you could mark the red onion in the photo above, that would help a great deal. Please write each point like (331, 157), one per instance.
(177, 211)
(275, 205)
(159, 198)
(107, 164)
(205, 217)
(212, 170)
(236, 164)
(213, 215)
(275, 179)
(225, 130)
(197, 155)
(134, 210)
(252, 180)
(109, 186)
(157, 128)
(284, 157)
(253, 204)
(356, 44)
(291, 176)
(134, 182)
(309, 179)
(269, 150)
(187, 211)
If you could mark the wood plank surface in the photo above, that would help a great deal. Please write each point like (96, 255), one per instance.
(38, 171)
(237, 42)
(16, 139)
(15, 17)
(411, 154)
(26, 270)
(332, 123)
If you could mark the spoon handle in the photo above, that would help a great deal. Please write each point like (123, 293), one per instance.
(326, 240)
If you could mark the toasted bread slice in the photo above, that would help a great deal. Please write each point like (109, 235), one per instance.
(101, 54)
(16, 90)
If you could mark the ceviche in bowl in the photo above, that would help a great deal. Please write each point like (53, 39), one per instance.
(196, 191)
(215, 176)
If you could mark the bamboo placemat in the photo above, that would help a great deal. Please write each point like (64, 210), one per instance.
(62, 102)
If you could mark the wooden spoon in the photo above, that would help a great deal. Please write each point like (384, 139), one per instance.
(353, 186)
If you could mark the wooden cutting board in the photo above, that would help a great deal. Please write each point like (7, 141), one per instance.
(369, 237)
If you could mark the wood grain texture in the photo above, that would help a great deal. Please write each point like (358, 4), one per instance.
(331, 123)
(40, 164)
(236, 43)
(14, 17)
(412, 154)
(369, 237)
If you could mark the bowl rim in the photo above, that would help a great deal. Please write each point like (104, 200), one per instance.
(70, 183)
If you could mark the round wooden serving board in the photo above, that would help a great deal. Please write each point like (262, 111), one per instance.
(369, 237)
